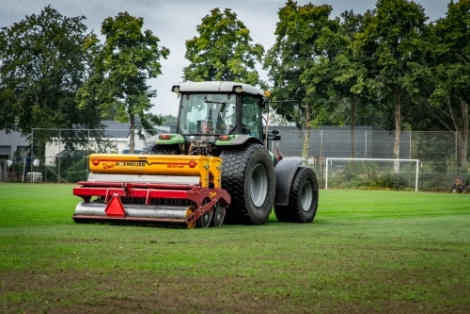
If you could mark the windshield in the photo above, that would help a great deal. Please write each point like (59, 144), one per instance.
(207, 113)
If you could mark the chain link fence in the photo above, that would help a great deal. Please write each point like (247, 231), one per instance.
(60, 161)
(436, 151)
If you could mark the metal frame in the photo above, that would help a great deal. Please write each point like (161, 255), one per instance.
(149, 191)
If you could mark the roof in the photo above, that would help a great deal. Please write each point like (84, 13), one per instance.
(121, 130)
(216, 87)
(116, 129)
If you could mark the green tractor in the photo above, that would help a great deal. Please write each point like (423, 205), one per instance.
(224, 119)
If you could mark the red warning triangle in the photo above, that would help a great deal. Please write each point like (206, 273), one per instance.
(115, 207)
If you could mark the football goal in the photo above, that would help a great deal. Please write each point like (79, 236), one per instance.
(372, 173)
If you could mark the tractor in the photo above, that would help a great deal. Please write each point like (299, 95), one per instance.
(216, 167)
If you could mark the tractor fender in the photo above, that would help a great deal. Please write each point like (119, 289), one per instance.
(239, 140)
(285, 171)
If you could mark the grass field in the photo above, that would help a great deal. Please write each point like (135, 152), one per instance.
(365, 252)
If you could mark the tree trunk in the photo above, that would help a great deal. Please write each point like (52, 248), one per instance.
(353, 126)
(462, 137)
(307, 133)
(131, 133)
(396, 144)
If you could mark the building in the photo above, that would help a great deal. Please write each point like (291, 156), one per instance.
(15, 147)
(115, 140)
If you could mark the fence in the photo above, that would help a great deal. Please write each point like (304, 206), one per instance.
(436, 151)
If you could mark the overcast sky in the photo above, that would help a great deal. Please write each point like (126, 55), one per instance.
(175, 21)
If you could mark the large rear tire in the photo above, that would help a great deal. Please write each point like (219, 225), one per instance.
(156, 150)
(248, 176)
(303, 198)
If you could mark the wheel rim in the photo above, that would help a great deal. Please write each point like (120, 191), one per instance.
(205, 219)
(219, 215)
(189, 211)
(306, 196)
(258, 185)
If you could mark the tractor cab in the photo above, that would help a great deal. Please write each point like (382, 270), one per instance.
(210, 109)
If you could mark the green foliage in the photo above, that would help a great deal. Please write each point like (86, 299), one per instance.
(449, 74)
(351, 86)
(299, 61)
(393, 40)
(123, 64)
(367, 175)
(436, 148)
(169, 120)
(78, 171)
(42, 65)
(223, 51)
(69, 163)
(392, 181)
(439, 176)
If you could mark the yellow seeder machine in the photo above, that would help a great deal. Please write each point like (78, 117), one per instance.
(150, 188)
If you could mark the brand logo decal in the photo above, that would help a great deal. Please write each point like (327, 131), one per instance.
(131, 164)
(107, 166)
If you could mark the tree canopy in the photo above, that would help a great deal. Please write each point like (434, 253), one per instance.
(223, 51)
(123, 64)
(393, 37)
(446, 75)
(42, 65)
(298, 62)
(389, 67)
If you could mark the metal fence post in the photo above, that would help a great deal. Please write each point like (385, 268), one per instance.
(456, 148)
(58, 165)
(321, 151)
(365, 145)
(32, 149)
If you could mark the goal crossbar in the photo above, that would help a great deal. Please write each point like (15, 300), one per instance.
(330, 159)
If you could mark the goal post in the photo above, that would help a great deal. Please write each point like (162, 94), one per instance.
(330, 160)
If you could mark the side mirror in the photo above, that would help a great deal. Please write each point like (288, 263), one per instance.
(274, 136)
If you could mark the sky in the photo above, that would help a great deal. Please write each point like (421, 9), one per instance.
(174, 22)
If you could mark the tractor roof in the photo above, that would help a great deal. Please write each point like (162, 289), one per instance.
(215, 87)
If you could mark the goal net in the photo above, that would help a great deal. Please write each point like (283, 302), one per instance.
(372, 173)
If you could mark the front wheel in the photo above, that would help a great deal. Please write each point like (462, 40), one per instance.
(303, 198)
(248, 176)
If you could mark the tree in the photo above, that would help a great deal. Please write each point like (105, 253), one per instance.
(393, 41)
(298, 62)
(169, 120)
(223, 51)
(450, 74)
(128, 58)
(42, 65)
(350, 85)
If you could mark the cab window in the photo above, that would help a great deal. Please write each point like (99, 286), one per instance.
(251, 116)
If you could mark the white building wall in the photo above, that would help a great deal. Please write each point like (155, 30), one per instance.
(122, 144)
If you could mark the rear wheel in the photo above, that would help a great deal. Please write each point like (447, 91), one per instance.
(248, 176)
(303, 198)
(156, 150)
